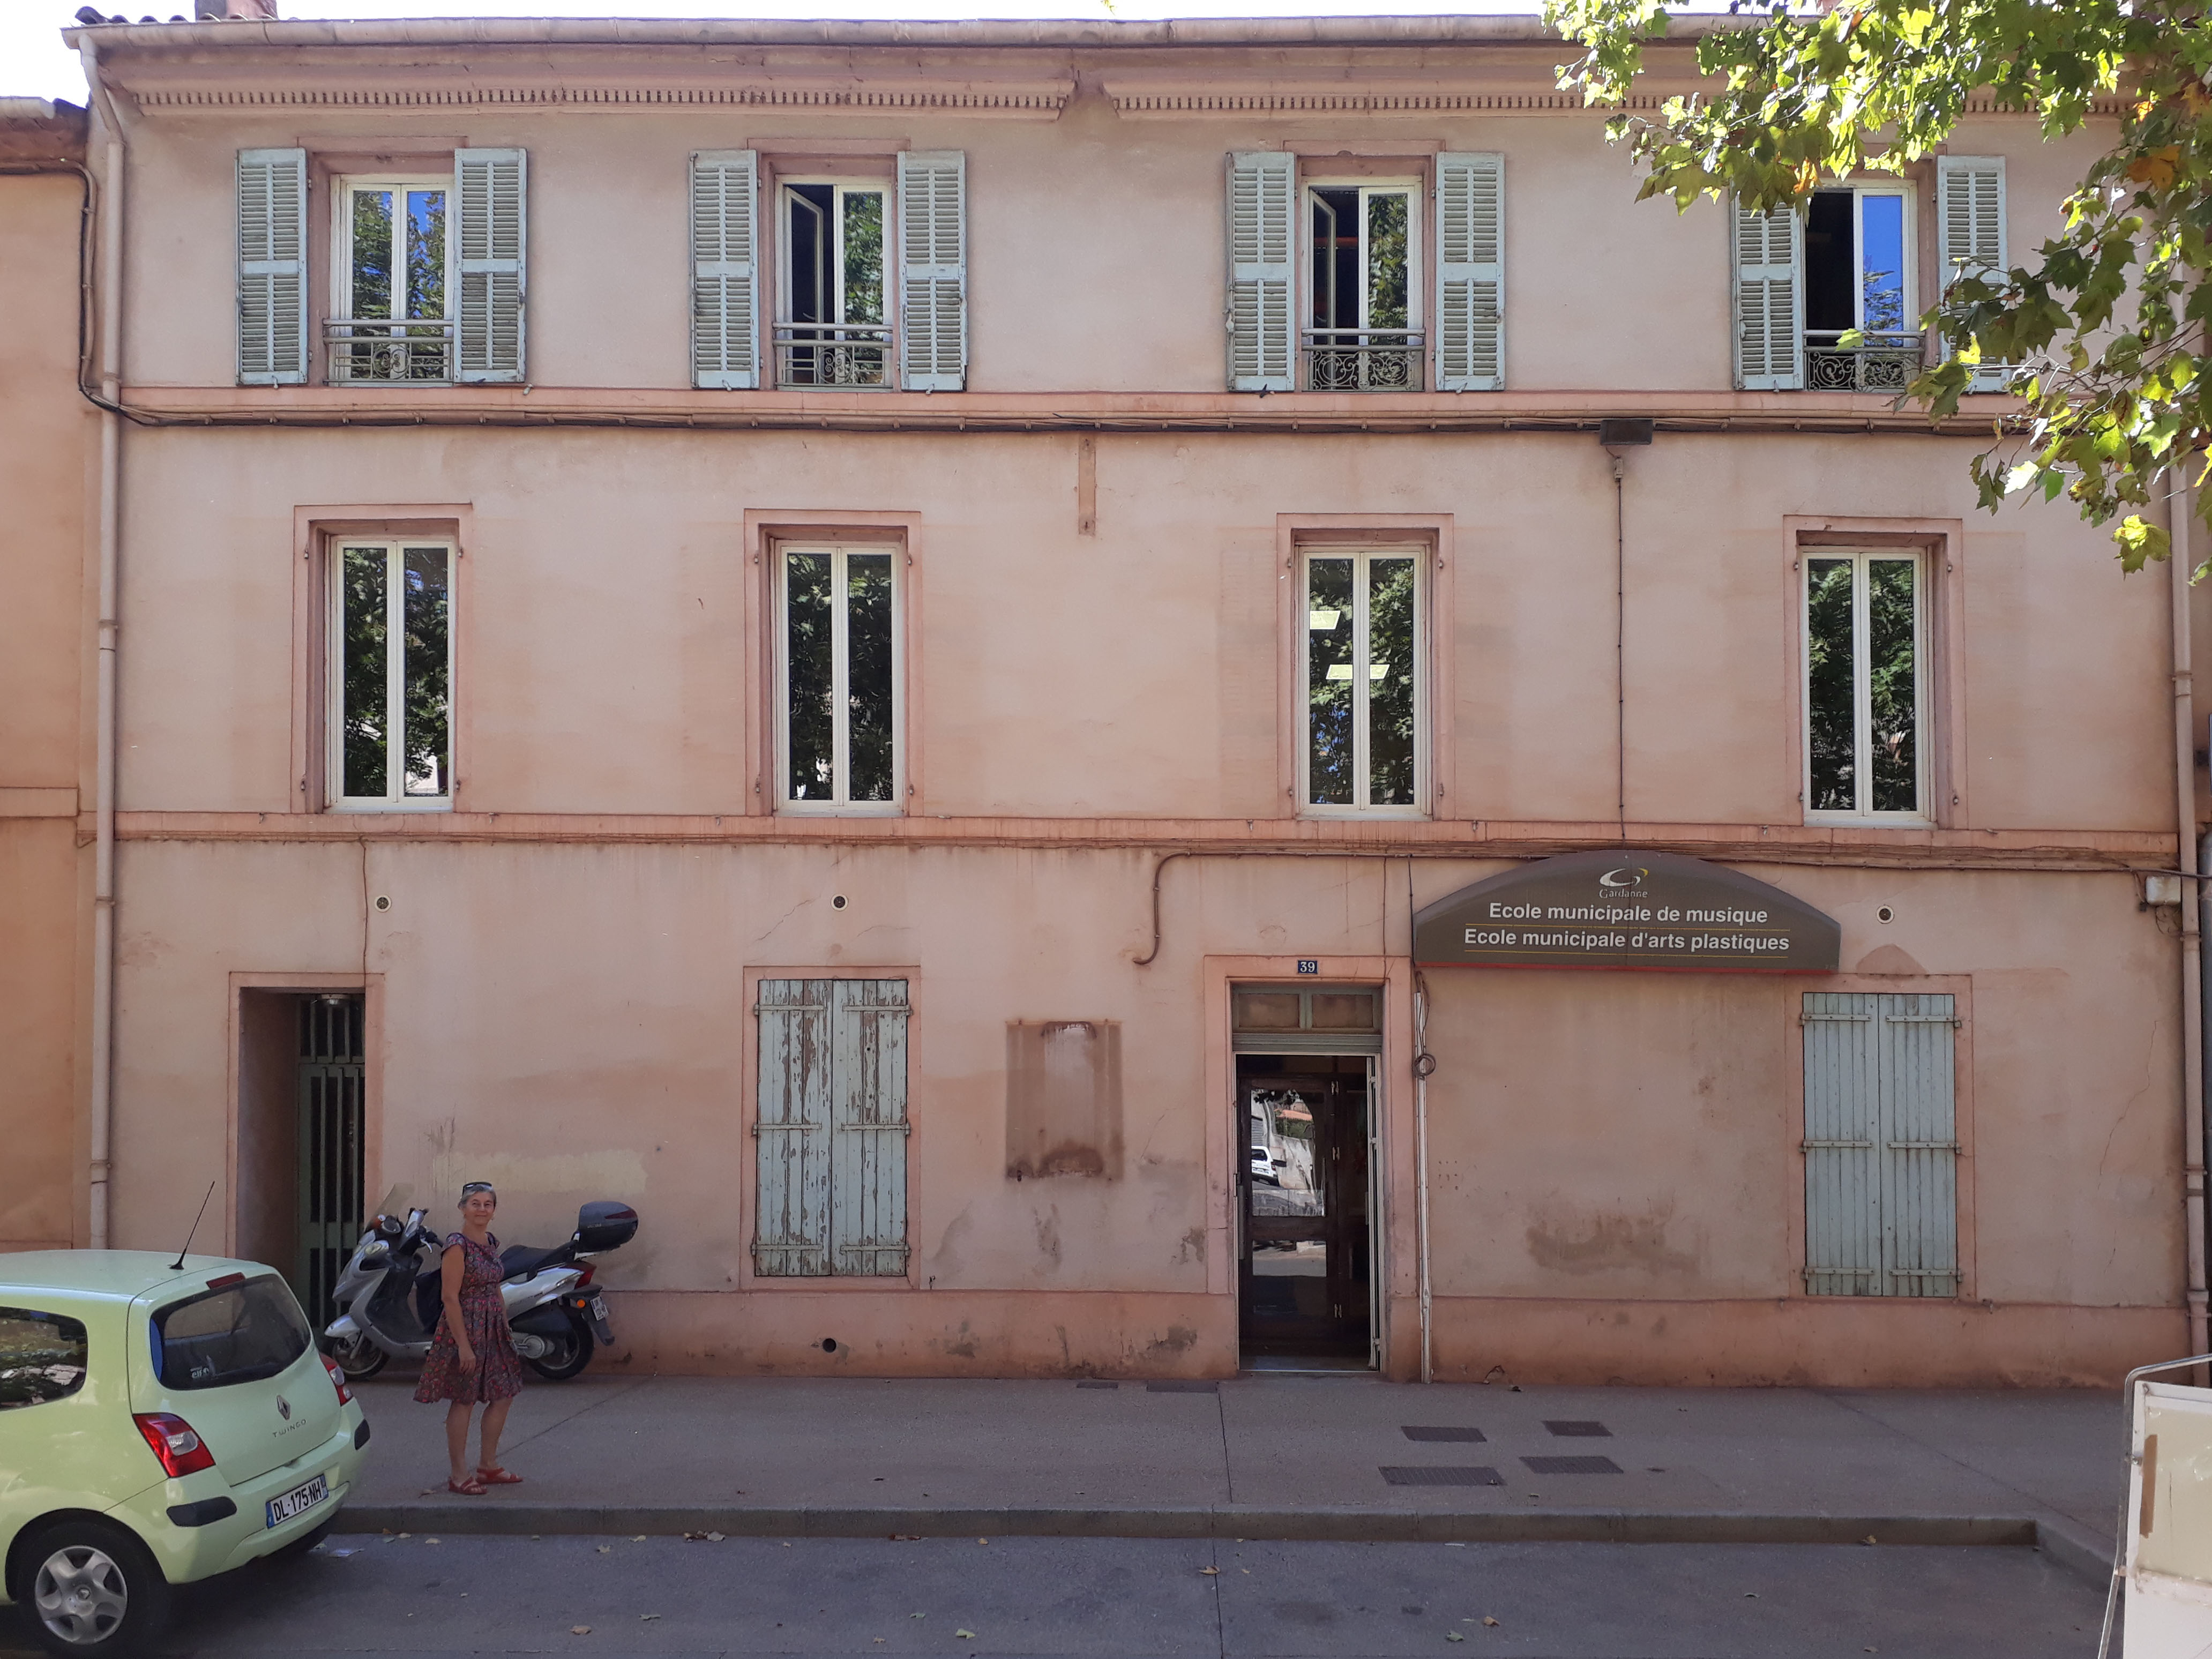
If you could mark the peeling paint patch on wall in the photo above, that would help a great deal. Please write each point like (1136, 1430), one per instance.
(1064, 1098)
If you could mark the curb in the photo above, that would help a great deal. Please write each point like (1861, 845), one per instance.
(1228, 1520)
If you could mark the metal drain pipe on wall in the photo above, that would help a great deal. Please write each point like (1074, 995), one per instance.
(103, 1103)
(2181, 512)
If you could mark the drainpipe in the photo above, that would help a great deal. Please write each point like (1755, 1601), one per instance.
(2180, 514)
(111, 470)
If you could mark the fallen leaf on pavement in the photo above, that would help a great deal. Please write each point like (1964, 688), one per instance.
(429, 1541)
(1488, 1620)
(983, 1540)
(1454, 1636)
(640, 1538)
(970, 1634)
(1869, 1539)
(643, 1616)
(716, 1538)
(1211, 1572)
(606, 1549)
(579, 1630)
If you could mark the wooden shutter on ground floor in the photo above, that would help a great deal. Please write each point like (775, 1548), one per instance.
(1770, 299)
(1970, 192)
(1261, 319)
(867, 1115)
(1470, 272)
(490, 206)
(1880, 1145)
(791, 1217)
(725, 262)
(933, 205)
(272, 267)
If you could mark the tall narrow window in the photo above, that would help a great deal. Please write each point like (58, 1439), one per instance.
(840, 664)
(391, 680)
(1858, 276)
(389, 319)
(1363, 332)
(835, 330)
(1863, 684)
(1363, 749)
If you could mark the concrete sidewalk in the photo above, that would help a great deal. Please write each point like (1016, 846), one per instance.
(1268, 1457)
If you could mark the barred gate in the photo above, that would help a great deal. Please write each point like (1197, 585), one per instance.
(331, 1069)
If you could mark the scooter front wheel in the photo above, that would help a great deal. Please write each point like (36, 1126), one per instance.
(565, 1355)
(358, 1358)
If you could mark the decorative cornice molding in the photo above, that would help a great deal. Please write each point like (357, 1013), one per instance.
(1035, 99)
(1154, 100)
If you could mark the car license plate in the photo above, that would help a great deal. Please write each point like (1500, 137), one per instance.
(299, 1500)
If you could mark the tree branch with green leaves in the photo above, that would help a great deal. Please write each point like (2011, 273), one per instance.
(2106, 326)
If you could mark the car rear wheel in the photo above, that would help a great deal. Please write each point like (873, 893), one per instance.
(564, 1355)
(94, 1592)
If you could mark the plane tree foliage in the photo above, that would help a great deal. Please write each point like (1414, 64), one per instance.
(2107, 320)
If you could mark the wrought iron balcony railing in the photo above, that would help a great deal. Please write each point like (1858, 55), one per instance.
(833, 354)
(379, 349)
(1362, 359)
(1880, 363)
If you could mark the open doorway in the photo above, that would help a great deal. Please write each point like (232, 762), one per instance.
(1305, 1175)
(302, 1066)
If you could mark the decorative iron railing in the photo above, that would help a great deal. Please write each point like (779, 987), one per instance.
(1362, 359)
(833, 354)
(1880, 363)
(378, 349)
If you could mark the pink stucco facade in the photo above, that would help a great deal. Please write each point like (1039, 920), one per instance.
(1099, 630)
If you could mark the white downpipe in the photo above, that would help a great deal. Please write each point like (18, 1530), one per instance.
(103, 1103)
(1421, 1164)
(2181, 513)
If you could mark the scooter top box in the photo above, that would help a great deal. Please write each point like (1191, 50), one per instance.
(603, 1226)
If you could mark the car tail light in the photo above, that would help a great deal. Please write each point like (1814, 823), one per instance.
(173, 1442)
(585, 1277)
(338, 1380)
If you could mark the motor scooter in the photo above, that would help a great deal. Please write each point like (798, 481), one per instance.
(389, 1295)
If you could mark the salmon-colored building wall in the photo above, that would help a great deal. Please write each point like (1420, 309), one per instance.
(561, 984)
(46, 611)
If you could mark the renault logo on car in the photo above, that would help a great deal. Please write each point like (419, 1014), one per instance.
(283, 1409)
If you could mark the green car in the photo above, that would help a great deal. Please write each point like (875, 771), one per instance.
(162, 1420)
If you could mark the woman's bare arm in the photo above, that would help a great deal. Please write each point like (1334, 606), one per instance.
(450, 1272)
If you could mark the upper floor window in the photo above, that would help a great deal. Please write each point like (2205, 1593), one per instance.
(1363, 298)
(1362, 748)
(1803, 282)
(428, 278)
(833, 330)
(391, 275)
(869, 273)
(839, 669)
(1331, 280)
(390, 735)
(1865, 620)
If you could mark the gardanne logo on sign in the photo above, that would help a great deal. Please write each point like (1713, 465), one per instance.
(1627, 910)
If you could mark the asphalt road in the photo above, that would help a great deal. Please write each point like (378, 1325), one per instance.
(668, 1598)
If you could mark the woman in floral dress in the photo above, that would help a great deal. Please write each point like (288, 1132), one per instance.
(473, 1358)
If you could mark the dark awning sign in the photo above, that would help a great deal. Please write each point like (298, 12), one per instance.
(1626, 909)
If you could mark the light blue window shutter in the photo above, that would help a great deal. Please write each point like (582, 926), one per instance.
(1470, 272)
(868, 1156)
(932, 190)
(1970, 201)
(724, 264)
(1262, 240)
(491, 195)
(1920, 1154)
(1770, 299)
(791, 1213)
(272, 267)
(1843, 1195)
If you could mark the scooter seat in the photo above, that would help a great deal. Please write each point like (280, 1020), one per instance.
(520, 1260)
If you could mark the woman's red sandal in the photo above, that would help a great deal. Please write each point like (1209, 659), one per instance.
(469, 1488)
(496, 1476)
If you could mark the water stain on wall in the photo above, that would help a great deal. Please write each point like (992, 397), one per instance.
(1608, 1241)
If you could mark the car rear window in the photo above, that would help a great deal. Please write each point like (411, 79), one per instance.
(41, 1356)
(239, 1334)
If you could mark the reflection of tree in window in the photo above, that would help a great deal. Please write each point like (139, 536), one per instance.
(1832, 699)
(372, 254)
(868, 673)
(1390, 682)
(363, 719)
(1893, 677)
(808, 619)
(1386, 261)
(840, 707)
(427, 721)
(1330, 701)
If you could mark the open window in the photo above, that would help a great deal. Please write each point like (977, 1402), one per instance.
(392, 273)
(389, 743)
(1828, 301)
(1362, 292)
(835, 327)
(839, 672)
(1363, 701)
(1865, 654)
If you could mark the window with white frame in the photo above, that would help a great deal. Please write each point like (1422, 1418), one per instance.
(836, 329)
(391, 739)
(839, 662)
(1363, 298)
(391, 266)
(1865, 657)
(1826, 300)
(1362, 700)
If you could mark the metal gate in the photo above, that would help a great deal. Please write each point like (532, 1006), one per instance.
(331, 1068)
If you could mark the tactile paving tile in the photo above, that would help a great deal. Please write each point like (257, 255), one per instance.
(1093, 1382)
(1578, 1429)
(1572, 1465)
(1440, 1431)
(1434, 1475)
(1174, 1387)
